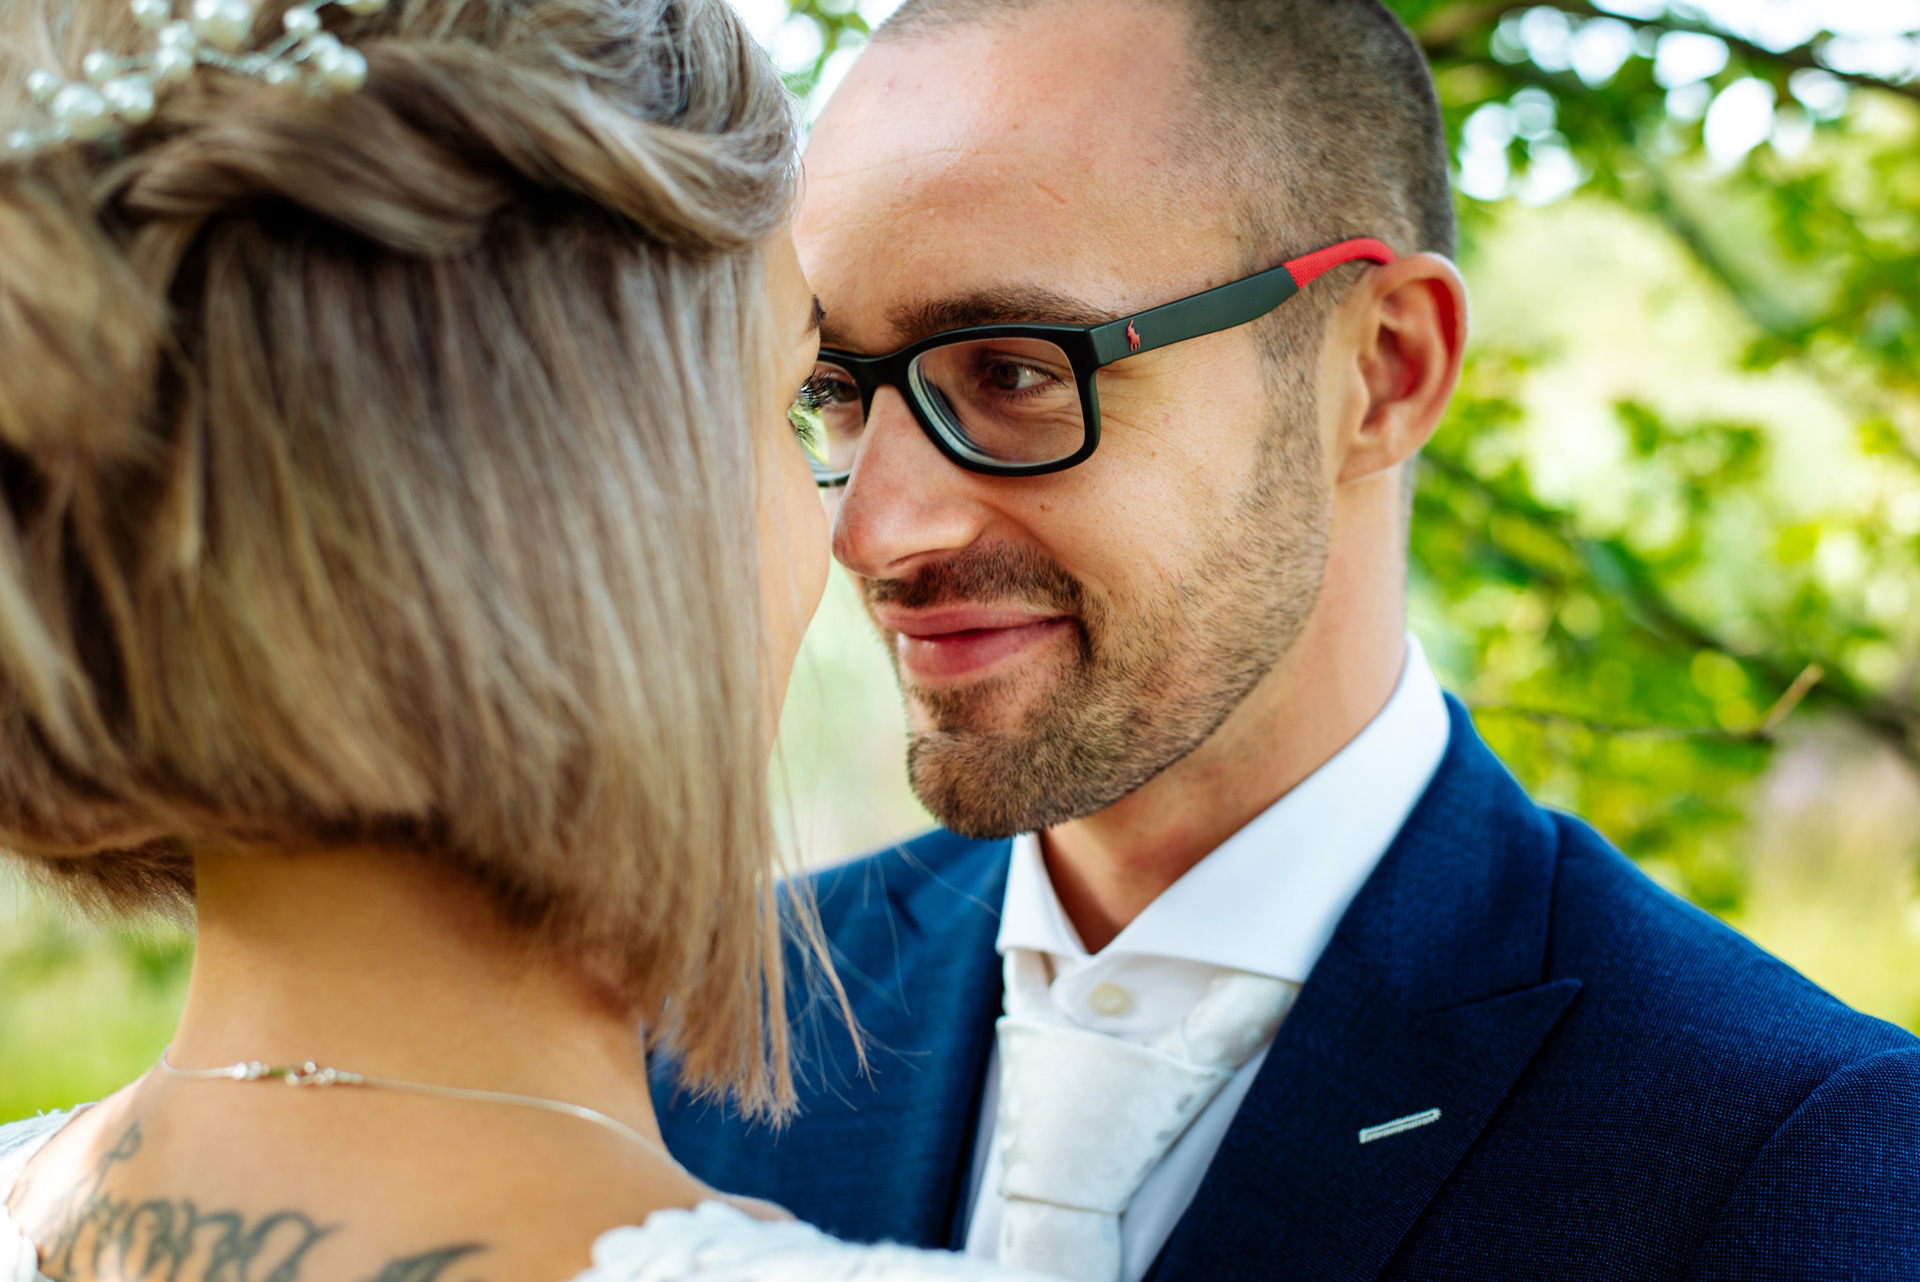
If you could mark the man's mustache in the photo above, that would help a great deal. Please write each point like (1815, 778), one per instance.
(982, 576)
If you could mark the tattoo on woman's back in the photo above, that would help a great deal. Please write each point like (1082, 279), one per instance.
(91, 1233)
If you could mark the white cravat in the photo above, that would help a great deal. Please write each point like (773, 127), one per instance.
(1266, 902)
(1084, 1118)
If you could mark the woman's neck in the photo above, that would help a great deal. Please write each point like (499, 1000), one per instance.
(384, 965)
(387, 965)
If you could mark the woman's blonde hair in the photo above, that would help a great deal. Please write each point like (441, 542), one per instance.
(375, 467)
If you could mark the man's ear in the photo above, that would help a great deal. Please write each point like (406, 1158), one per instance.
(1409, 337)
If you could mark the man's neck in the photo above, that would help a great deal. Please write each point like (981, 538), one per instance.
(1107, 867)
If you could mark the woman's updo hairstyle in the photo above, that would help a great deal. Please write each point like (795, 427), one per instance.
(373, 468)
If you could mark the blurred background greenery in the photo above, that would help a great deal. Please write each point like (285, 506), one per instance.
(1667, 543)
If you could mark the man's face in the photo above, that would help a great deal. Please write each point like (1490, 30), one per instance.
(1060, 639)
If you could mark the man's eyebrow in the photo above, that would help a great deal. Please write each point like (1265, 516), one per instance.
(819, 316)
(1019, 305)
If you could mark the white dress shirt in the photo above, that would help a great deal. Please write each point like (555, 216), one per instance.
(1266, 901)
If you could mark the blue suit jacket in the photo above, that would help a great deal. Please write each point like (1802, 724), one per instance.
(1627, 1088)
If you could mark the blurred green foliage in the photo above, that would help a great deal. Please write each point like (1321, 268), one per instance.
(1632, 650)
(1697, 604)
(82, 1008)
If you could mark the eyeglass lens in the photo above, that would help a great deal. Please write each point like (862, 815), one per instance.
(994, 401)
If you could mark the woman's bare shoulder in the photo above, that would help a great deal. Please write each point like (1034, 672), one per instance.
(309, 1189)
(76, 1200)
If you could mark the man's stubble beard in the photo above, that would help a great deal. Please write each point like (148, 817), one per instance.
(1144, 690)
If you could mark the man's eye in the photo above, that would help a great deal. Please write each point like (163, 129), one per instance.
(1008, 376)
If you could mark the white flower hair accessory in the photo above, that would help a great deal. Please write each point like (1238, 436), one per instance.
(121, 91)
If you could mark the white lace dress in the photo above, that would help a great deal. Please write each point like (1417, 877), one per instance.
(711, 1243)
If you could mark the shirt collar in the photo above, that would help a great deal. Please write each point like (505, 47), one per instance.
(1268, 899)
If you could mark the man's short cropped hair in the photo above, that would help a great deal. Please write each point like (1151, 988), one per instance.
(1320, 115)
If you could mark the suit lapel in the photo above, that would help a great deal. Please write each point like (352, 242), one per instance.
(1429, 997)
(924, 982)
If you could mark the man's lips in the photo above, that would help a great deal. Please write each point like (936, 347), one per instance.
(947, 644)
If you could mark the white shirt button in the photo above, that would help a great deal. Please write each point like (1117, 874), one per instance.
(1110, 1000)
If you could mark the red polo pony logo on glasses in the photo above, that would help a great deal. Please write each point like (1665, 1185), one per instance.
(1133, 338)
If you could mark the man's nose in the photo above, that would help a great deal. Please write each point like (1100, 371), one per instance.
(905, 502)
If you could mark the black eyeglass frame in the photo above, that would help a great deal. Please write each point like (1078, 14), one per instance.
(1090, 348)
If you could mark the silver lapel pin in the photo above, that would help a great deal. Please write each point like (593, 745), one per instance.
(1369, 1134)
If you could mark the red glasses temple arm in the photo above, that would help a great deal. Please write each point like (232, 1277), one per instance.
(1321, 261)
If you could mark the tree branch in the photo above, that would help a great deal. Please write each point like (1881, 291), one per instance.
(1441, 36)
(1758, 310)
(1654, 610)
(1611, 729)
(1664, 206)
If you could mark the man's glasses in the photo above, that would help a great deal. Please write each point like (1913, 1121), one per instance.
(1019, 400)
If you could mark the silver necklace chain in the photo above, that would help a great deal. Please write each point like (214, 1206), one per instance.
(309, 1075)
